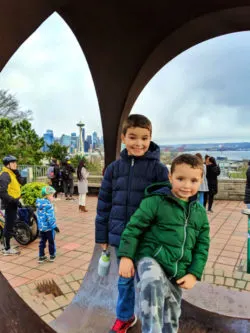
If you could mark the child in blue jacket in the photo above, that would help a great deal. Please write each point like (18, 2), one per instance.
(46, 224)
(120, 195)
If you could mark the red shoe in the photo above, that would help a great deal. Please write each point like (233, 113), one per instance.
(121, 326)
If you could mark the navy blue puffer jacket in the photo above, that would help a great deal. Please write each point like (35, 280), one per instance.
(122, 190)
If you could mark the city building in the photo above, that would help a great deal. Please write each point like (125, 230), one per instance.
(48, 139)
(86, 146)
(65, 140)
(95, 139)
(73, 143)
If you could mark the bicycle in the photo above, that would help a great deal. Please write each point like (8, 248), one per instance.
(25, 228)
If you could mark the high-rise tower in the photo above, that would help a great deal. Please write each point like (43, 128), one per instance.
(80, 141)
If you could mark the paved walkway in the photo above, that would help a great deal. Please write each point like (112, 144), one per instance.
(226, 265)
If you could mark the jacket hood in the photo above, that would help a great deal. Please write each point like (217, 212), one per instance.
(153, 153)
(163, 189)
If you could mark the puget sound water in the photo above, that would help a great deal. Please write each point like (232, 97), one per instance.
(238, 155)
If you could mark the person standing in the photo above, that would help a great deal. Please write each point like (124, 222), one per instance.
(213, 171)
(204, 186)
(247, 189)
(54, 175)
(82, 175)
(10, 193)
(67, 177)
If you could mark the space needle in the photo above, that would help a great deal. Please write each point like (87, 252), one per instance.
(80, 141)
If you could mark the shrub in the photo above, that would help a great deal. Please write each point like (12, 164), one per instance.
(30, 192)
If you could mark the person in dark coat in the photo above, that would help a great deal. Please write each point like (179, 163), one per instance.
(213, 171)
(120, 195)
(55, 177)
(247, 189)
(67, 178)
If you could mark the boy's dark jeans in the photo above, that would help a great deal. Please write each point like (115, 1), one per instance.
(50, 236)
(126, 297)
(10, 218)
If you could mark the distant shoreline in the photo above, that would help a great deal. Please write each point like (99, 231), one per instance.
(233, 155)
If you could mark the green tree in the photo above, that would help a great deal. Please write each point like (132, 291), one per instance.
(57, 151)
(27, 143)
(20, 140)
(9, 108)
(7, 134)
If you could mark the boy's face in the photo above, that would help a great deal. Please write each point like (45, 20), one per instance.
(185, 181)
(50, 197)
(137, 140)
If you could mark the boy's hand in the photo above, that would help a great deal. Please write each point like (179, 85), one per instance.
(187, 281)
(57, 229)
(126, 268)
(104, 246)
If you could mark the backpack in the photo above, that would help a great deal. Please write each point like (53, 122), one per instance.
(51, 172)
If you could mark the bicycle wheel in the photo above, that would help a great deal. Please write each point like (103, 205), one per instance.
(22, 233)
(33, 227)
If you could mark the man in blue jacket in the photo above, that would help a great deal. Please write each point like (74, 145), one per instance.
(120, 195)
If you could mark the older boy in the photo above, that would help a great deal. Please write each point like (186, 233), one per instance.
(120, 195)
(169, 237)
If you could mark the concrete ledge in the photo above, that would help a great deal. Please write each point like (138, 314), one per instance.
(220, 300)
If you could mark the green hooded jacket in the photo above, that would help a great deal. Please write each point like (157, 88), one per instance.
(173, 232)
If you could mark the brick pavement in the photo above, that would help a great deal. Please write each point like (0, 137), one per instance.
(226, 264)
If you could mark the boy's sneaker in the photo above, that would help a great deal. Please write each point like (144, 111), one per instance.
(42, 259)
(246, 211)
(10, 252)
(52, 258)
(121, 326)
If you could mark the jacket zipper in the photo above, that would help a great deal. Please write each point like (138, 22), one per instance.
(129, 185)
(159, 250)
(184, 240)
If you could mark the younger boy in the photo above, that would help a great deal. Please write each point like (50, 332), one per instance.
(46, 223)
(120, 195)
(168, 236)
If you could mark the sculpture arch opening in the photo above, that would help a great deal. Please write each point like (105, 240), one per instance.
(135, 44)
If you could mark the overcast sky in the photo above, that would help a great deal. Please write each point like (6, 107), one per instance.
(201, 96)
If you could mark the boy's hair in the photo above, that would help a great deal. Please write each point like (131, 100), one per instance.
(136, 120)
(189, 159)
